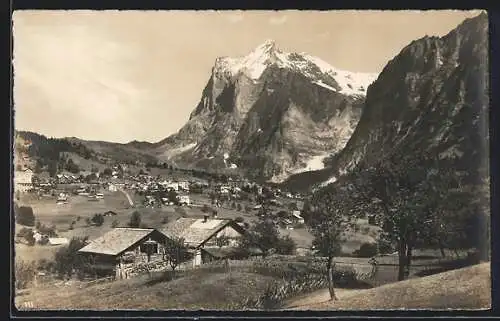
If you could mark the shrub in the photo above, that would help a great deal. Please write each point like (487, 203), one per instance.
(239, 207)
(135, 219)
(239, 219)
(367, 250)
(345, 277)
(98, 219)
(43, 264)
(372, 220)
(115, 223)
(47, 230)
(25, 216)
(25, 274)
(286, 246)
(164, 220)
(181, 211)
(24, 231)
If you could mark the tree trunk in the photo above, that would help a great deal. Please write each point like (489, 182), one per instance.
(441, 248)
(408, 259)
(331, 285)
(402, 260)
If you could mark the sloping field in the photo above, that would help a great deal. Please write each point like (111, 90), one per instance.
(196, 291)
(467, 288)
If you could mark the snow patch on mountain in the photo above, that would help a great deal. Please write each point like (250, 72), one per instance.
(322, 84)
(331, 180)
(313, 164)
(352, 83)
(176, 151)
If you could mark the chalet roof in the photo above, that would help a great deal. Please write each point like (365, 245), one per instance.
(195, 231)
(116, 241)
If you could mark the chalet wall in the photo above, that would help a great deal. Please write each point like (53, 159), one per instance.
(227, 231)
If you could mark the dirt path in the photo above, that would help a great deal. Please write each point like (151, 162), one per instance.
(316, 297)
(128, 197)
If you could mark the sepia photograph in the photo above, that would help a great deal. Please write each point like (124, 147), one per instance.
(250, 160)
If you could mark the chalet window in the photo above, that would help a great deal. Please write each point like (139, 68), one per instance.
(149, 247)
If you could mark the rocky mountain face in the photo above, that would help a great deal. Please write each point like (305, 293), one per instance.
(269, 114)
(432, 97)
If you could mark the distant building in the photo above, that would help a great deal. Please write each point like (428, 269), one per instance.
(58, 240)
(183, 185)
(173, 186)
(23, 180)
(297, 218)
(184, 200)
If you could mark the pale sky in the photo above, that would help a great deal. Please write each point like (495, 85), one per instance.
(137, 75)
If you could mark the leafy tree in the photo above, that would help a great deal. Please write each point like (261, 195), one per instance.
(328, 223)
(67, 259)
(71, 166)
(135, 219)
(107, 172)
(52, 168)
(306, 211)
(172, 196)
(293, 206)
(25, 216)
(91, 177)
(367, 250)
(262, 234)
(412, 198)
(176, 252)
(282, 214)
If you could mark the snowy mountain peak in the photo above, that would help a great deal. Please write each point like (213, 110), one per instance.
(267, 46)
(323, 74)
